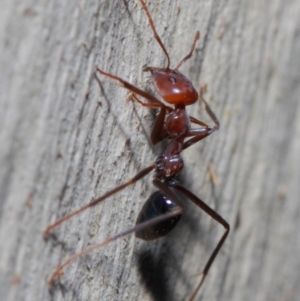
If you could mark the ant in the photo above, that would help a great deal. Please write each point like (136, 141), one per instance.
(163, 209)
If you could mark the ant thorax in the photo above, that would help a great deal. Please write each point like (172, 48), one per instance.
(178, 123)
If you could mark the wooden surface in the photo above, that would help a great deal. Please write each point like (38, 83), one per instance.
(65, 140)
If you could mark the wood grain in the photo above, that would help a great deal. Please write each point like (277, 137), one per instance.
(66, 140)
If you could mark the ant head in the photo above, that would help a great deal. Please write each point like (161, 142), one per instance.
(173, 86)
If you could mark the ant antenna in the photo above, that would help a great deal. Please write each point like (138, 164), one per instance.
(155, 33)
(197, 36)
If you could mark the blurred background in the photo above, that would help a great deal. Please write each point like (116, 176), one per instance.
(66, 139)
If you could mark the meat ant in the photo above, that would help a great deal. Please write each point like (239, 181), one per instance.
(163, 209)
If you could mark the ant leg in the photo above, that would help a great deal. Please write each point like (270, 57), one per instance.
(208, 109)
(144, 104)
(199, 122)
(153, 106)
(139, 227)
(159, 131)
(165, 189)
(196, 138)
(196, 38)
(133, 88)
(137, 177)
(202, 133)
(217, 218)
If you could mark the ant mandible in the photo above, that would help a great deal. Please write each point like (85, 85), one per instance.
(163, 209)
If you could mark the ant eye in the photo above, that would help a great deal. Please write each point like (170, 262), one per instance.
(172, 79)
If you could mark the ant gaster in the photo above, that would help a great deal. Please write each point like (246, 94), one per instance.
(164, 208)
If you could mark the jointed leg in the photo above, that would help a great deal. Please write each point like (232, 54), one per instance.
(199, 134)
(194, 140)
(133, 88)
(140, 175)
(144, 104)
(165, 189)
(151, 105)
(199, 122)
(139, 227)
(159, 131)
(208, 109)
(217, 218)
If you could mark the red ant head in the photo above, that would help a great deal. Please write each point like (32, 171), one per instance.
(173, 86)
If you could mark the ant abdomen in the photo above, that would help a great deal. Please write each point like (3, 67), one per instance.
(173, 86)
(157, 204)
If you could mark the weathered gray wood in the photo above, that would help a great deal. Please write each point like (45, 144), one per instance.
(65, 141)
